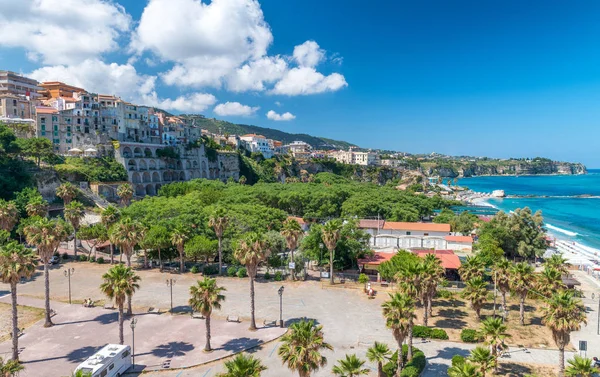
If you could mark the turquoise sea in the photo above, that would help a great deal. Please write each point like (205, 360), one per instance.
(570, 204)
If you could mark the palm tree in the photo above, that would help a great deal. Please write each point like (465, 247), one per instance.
(10, 368)
(120, 282)
(46, 235)
(433, 276)
(476, 292)
(179, 238)
(501, 274)
(351, 366)
(379, 353)
(494, 330)
(243, 366)
(411, 282)
(37, 207)
(301, 348)
(81, 373)
(564, 314)
(125, 192)
(484, 358)
(549, 281)
(471, 268)
(16, 262)
(74, 213)
(66, 192)
(580, 367)
(557, 262)
(108, 218)
(291, 230)
(331, 235)
(398, 312)
(9, 215)
(252, 250)
(521, 281)
(464, 370)
(204, 297)
(218, 222)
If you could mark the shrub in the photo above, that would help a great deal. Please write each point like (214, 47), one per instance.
(470, 336)
(232, 271)
(210, 269)
(410, 371)
(363, 279)
(100, 260)
(242, 273)
(92, 259)
(83, 258)
(65, 256)
(278, 276)
(194, 270)
(267, 275)
(421, 332)
(445, 283)
(457, 360)
(444, 293)
(439, 334)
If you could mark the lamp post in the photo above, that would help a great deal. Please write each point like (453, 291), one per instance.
(593, 297)
(68, 272)
(132, 325)
(280, 291)
(170, 284)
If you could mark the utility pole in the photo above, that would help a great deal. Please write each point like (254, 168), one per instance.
(170, 284)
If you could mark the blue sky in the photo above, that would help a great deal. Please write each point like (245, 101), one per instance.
(494, 78)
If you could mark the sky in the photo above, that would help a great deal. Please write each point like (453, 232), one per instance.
(483, 78)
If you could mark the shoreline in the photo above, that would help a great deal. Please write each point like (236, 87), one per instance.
(518, 175)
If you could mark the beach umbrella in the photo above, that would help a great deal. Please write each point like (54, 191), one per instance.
(75, 150)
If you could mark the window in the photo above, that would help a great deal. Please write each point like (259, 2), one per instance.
(14, 102)
(425, 234)
(78, 120)
(55, 119)
(111, 366)
(68, 134)
(56, 127)
(43, 133)
(68, 128)
(408, 233)
(43, 127)
(55, 133)
(56, 141)
(69, 141)
(103, 373)
(125, 354)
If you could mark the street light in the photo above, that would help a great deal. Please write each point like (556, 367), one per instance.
(280, 291)
(68, 272)
(170, 284)
(132, 325)
(593, 297)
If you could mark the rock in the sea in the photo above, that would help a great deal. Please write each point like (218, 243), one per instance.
(498, 194)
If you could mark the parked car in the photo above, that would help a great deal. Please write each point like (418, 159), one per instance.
(54, 260)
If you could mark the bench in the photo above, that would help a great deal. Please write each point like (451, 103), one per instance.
(197, 315)
(233, 318)
(269, 323)
(153, 310)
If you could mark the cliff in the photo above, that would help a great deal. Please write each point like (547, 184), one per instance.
(451, 169)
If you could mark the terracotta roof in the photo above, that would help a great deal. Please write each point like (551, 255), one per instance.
(371, 224)
(253, 135)
(459, 238)
(377, 258)
(426, 227)
(46, 110)
(448, 258)
(298, 219)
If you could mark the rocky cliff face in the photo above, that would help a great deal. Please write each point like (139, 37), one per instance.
(516, 168)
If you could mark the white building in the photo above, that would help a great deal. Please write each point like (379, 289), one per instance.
(257, 143)
(406, 235)
(355, 158)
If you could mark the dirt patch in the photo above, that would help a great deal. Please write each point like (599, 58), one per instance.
(523, 369)
(27, 317)
(455, 314)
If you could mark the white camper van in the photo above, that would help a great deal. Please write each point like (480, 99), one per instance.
(111, 361)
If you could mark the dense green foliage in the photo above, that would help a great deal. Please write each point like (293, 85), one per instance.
(412, 368)
(518, 234)
(470, 336)
(462, 223)
(429, 333)
(14, 172)
(389, 269)
(104, 169)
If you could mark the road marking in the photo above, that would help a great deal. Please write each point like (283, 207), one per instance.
(302, 301)
(273, 350)
(179, 374)
(206, 374)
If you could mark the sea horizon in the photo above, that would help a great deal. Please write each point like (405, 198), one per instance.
(569, 203)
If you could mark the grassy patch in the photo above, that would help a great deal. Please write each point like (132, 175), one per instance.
(27, 316)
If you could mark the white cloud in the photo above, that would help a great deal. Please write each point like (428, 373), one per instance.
(279, 117)
(278, 103)
(62, 31)
(254, 75)
(206, 41)
(306, 80)
(308, 54)
(122, 80)
(234, 108)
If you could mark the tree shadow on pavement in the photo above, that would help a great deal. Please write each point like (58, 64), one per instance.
(172, 349)
(82, 354)
(512, 370)
(104, 319)
(182, 309)
(434, 368)
(289, 321)
(241, 344)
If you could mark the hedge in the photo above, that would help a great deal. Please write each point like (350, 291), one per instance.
(429, 333)
(470, 336)
(412, 368)
(457, 360)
